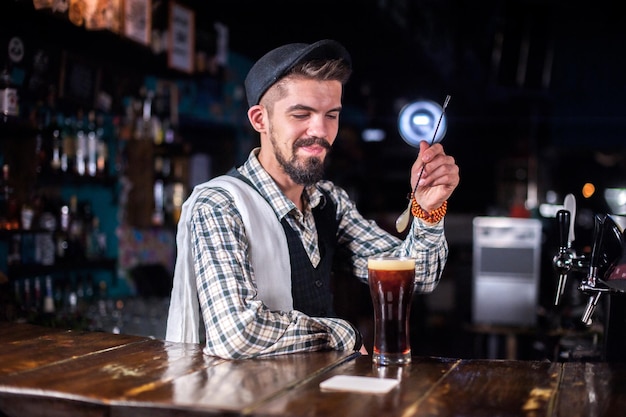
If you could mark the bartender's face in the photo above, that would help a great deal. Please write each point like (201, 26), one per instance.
(303, 126)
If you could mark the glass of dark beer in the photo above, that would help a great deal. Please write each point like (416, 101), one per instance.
(391, 282)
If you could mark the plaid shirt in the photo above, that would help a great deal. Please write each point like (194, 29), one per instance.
(237, 324)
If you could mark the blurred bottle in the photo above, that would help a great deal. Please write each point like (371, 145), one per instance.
(9, 206)
(81, 145)
(9, 98)
(70, 304)
(37, 296)
(5, 191)
(96, 240)
(62, 236)
(102, 150)
(27, 302)
(68, 155)
(41, 142)
(18, 298)
(77, 228)
(58, 293)
(92, 145)
(161, 165)
(57, 143)
(45, 240)
(176, 194)
(48, 301)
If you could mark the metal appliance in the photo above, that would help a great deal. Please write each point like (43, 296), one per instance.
(506, 268)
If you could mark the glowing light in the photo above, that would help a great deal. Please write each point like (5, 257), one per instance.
(418, 120)
(588, 190)
(422, 120)
(616, 199)
(373, 135)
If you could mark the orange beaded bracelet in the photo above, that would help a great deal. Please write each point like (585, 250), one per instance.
(431, 217)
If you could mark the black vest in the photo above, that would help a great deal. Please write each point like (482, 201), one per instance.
(311, 286)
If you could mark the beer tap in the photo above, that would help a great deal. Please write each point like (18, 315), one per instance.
(562, 262)
(589, 284)
(603, 271)
(566, 260)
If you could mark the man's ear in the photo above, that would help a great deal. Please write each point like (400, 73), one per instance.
(256, 115)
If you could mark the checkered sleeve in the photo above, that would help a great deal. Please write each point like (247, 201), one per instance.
(362, 238)
(237, 324)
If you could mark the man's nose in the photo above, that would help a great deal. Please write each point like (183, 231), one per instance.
(318, 127)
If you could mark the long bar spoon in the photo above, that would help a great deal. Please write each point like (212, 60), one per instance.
(402, 222)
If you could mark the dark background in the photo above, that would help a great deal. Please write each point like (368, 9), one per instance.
(537, 86)
(529, 79)
(537, 103)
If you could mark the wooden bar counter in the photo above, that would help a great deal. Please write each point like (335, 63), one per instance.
(50, 372)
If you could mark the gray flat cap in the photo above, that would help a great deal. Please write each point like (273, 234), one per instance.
(272, 66)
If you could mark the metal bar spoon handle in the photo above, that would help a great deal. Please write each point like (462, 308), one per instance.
(402, 222)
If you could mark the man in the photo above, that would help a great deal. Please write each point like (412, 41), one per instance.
(256, 247)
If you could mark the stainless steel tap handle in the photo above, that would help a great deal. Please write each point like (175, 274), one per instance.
(589, 285)
(596, 251)
(560, 289)
(562, 262)
(592, 303)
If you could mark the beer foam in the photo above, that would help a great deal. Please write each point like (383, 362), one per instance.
(391, 264)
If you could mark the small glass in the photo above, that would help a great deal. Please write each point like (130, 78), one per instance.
(391, 282)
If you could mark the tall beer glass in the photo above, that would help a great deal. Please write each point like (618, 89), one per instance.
(391, 282)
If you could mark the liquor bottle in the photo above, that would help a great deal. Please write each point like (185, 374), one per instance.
(59, 295)
(57, 144)
(96, 240)
(18, 300)
(9, 206)
(62, 237)
(92, 145)
(158, 214)
(177, 194)
(77, 229)
(5, 191)
(71, 300)
(47, 314)
(68, 156)
(40, 150)
(81, 146)
(102, 151)
(47, 224)
(48, 301)
(9, 98)
(28, 300)
(37, 295)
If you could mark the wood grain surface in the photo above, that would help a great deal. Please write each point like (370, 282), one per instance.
(52, 372)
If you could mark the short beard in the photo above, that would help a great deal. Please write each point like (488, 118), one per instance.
(308, 172)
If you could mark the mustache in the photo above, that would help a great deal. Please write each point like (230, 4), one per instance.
(311, 141)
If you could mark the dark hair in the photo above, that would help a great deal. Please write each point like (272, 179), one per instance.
(323, 70)
(320, 70)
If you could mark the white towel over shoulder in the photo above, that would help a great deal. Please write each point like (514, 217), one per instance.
(269, 257)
